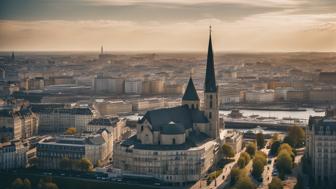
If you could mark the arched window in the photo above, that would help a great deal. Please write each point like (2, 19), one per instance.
(192, 106)
(174, 141)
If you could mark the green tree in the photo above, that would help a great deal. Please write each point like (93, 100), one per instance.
(284, 163)
(260, 140)
(285, 147)
(261, 156)
(26, 184)
(299, 184)
(235, 172)
(257, 168)
(251, 149)
(46, 183)
(4, 139)
(289, 140)
(275, 184)
(227, 151)
(275, 137)
(85, 165)
(70, 131)
(243, 160)
(245, 182)
(297, 135)
(17, 184)
(275, 147)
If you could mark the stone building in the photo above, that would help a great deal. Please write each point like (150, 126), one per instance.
(96, 147)
(321, 147)
(56, 119)
(18, 123)
(178, 144)
(13, 155)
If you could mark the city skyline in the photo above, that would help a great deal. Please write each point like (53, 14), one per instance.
(141, 25)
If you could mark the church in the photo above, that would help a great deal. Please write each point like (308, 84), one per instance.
(179, 144)
(174, 125)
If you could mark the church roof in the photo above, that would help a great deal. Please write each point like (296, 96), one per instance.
(179, 115)
(190, 92)
(172, 128)
(210, 79)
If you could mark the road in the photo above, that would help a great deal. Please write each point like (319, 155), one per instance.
(221, 179)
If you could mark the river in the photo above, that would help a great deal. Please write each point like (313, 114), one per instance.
(303, 115)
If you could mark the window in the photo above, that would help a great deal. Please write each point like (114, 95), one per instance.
(210, 104)
(210, 115)
(192, 106)
(174, 141)
(142, 127)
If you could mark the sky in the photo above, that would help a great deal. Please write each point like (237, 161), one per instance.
(168, 25)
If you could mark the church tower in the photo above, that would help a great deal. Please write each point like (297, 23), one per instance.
(211, 94)
(190, 96)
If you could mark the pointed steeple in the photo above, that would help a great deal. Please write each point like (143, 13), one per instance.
(190, 92)
(210, 79)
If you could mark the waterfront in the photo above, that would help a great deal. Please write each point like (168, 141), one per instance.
(302, 115)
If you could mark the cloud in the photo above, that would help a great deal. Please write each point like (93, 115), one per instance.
(182, 36)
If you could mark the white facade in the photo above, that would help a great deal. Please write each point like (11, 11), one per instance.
(108, 84)
(133, 86)
(259, 96)
(13, 155)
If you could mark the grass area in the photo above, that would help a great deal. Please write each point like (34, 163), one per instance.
(65, 183)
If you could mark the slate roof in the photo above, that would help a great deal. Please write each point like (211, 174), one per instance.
(180, 114)
(210, 78)
(172, 128)
(104, 121)
(190, 92)
(322, 123)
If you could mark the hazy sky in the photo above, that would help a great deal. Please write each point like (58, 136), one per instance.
(168, 25)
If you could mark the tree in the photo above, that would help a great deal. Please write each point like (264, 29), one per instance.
(26, 184)
(285, 147)
(284, 163)
(289, 141)
(260, 140)
(245, 183)
(47, 183)
(257, 168)
(243, 160)
(235, 172)
(297, 136)
(299, 184)
(71, 131)
(17, 184)
(85, 165)
(275, 137)
(227, 151)
(4, 139)
(275, 147)
(251, 149)
(261, 156)
(275, 184)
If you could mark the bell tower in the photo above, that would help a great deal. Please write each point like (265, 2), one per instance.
(211, 93)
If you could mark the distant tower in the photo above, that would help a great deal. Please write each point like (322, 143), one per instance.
(210, 93)
(102, 50)
(190, 96)
(13, 57)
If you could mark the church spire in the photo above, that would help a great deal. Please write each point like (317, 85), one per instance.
(190, 92)
(210, 79)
